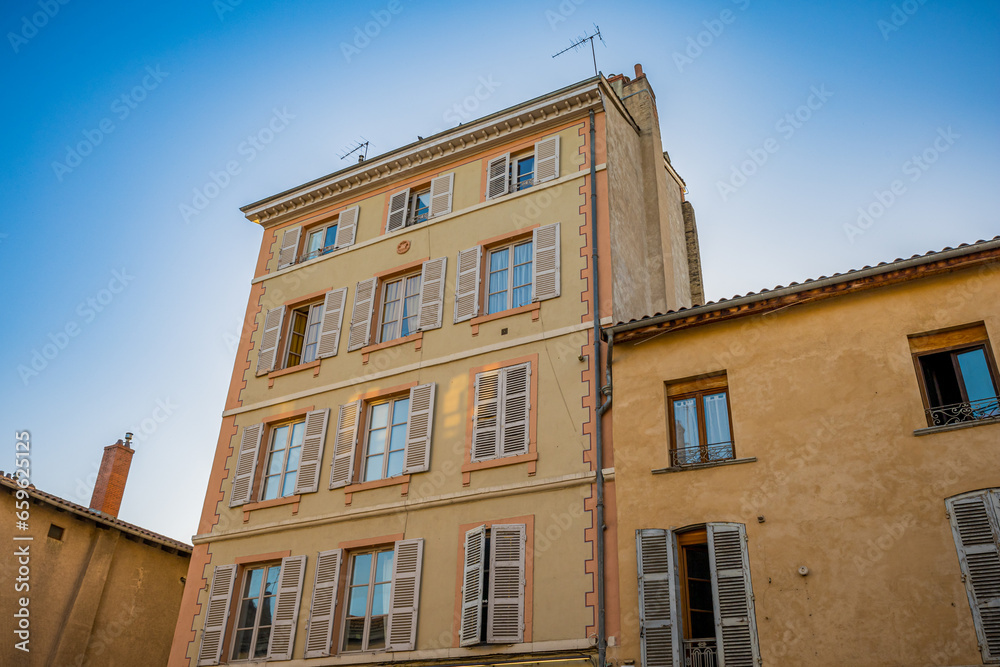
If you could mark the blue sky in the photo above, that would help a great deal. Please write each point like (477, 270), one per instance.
(813, 137)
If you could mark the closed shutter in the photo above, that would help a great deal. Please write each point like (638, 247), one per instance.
(547, 159)
(361, 316)
(432, 293)
(397, 210)
(486, 416)
(467, 284)
(975, 525)
(505, 611)
(246, 465)
(269, 340)
(496, 176)
(659, 608)
(347, 227)
(312, 451)
(404, 600)
(319, 635)
(545, 266)
(515, 408)
(289, 247)
(219, 596)
(441, 194)
(333, 321)
(419, 427)
(472, 586)
(735, 624)
(342, 469)
(286, 608)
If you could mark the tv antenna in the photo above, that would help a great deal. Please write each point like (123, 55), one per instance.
(586, 38)
(358, 146)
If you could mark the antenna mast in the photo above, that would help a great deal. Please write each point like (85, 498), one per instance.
(586, 38)
(358, 145)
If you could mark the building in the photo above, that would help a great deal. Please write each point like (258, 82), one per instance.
(411, 464)
(87, 588)
(809, 475)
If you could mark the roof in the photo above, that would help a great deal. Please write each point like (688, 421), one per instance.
(95, 516)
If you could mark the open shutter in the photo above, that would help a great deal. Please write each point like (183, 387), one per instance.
(361, 316)
(405, 596)
(347, 227)
(269, 340)
(472, 586)
(419, 426)
(286, 608)
(441, 194)
(545, 265)
(342, 469)
(659, 608)
(515, 408)
(974, 523)
(219, 596)
(333, 321)
(496, 176)
(486, 416)
(505, 611)
(432, 293)
(397, 210)
(312, 451)
(732, 595)
(319, 635)
(547, 159)
(246, 465)
(289, 246)
(467, 284)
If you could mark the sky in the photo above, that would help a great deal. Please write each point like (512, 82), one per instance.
(813, 138)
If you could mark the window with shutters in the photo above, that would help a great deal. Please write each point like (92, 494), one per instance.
(415, 205)
(493, 585)
(369, 582)
(519, 171)
(319, 241)
(282, 464)
(399, 308)
(959, 384)
(303, 334)
(300, 244)
(385, 439)
(501, 413)
(255, 608)
(508, 284)
(699, 421)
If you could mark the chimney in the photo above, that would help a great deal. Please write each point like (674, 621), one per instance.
(111, 478)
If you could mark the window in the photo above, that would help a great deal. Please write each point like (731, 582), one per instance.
(369, 584)
(303, 334)
(522, 172)
(959, 385)
(385, 440)
(699, 427)
(420, 207)
(312, 332)
(56, 532)
(507, 173)
(319, 240)
(501, 413)
(696, 592)
(255, 612)
(400, 308)
(283, 456)
(415, 205)
(493, 585)
(509, 281)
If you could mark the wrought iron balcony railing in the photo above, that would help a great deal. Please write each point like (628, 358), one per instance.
(686, 456)
(700, 653)
(523, 184)
(315, 253)
(984, 408)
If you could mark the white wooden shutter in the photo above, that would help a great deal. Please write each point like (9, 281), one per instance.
(404, 600)
(432, 293)
(286, 608)
(467, 284)
(361, 316)
(398, 203)
(289, 247)
(333, 322)
(217, 614)
(732, 595)
(246, 465)
(419, 428)
(441, 194)
(545, 282)
(319, 635)
(659, 598)
(505, 611)
(547, 159)
(347, 227)
(975, 525)
(486, 416)
(497, 182)
(269, 340)
(342, 468)
(515, 407)
(472, 586)
(307, 480)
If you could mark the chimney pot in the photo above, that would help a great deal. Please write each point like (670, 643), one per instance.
(638, 71)
(111, 479)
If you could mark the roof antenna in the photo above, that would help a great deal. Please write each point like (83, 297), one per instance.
(358, 145)
(579, 42)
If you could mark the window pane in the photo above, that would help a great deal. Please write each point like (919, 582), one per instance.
(376, 634)
(380, 415)
(380, 600)
(376, 441)
(383, 567)
(354, 634)
(359, 601)
(373, 468)
(289, 487)
(522, 253)
(271, 587)
(940, 379)
(702, 625)
(280, 438)
(521, 297)
(315, 241)
(275, 461)
(331, 236)
(498, 260)
(270, 488)
(686, 424)
(525, 172)
(498, 302)
(267, 611)
(242, 649)
(398, 439)
(413, 285)
(716, 419)
(400, 410)
(395, 464)
(298, 431)
(248, 614)
(252, 587)
(976, 374)
(263, 637)
(362, 569)
(293, 459)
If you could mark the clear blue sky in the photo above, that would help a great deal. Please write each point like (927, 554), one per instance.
(154, 350)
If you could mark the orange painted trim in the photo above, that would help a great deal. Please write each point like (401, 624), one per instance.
(287, 415)
(290, 370)
(503, 239)
(530, 458)
(530, 308)
(412, 338)
(401, 480)
(260, 558)
(307, 297)
(379, 393)
(370, 541)
(274, 502)
(402, 268)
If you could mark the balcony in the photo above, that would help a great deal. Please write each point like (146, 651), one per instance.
(686, 456)
(700, 653)
(970, 411)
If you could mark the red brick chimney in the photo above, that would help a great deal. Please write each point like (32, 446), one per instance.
(111, 479)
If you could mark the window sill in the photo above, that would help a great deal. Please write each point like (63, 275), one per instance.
(416, 338)
(698, 466)
(531, 458)
(293, 369)
(402, 480)
(275, 502)
(954, 427)
(532, 308)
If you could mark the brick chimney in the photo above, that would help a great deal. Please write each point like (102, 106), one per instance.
(112, 476)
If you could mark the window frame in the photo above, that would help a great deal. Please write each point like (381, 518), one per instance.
(953, 351)
(413, 206)
(383, 283)
(364, 440)
(324, 229)
(343, 616)
(513, 179)
(690, 538)
(233, 627)
(260, 484)
(703, 445)
(315, 308)
(510, 247)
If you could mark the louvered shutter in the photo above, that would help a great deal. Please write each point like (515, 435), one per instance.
(342, 469)
(347, 227)
(397, 210)
(497, 182)
(246, 465)
(505, 610)
(975, 525)
(486, 416)
(419, 428)
(286, 608)
(269, 340)
(441, 194)
(404, 600)
(289, 247)
(333, 322)
(432, 293)
(319, 635)
(545, 282)
(219, 596)
(514, 409)
(732, 595)
(659, 608)
(312, 451)
(361, 316)
(467, 284)
(472, 586)
(547, 159)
